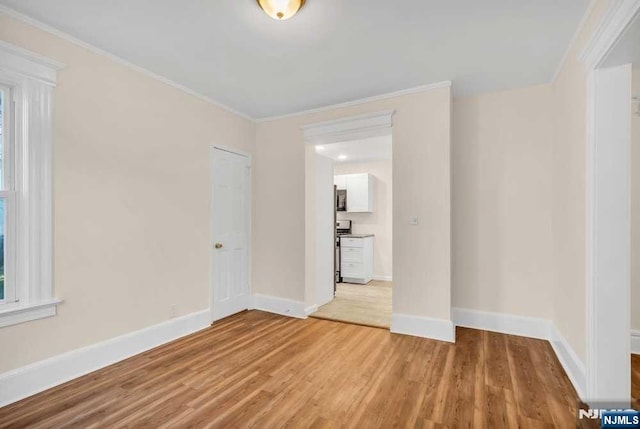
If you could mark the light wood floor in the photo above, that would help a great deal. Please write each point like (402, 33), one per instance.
(368, 305)
(261, 370)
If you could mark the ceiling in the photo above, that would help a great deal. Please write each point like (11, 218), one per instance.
(365, 150)
(333, 51)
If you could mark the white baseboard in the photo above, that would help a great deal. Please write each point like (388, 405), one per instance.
(310, 310)
(531, 327)
(505, 323)
(34, 378)
(281, 306)
(635, 342)
(425, 327)
(383, 278)
(570, 361)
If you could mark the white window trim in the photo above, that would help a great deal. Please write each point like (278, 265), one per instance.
(32, 79)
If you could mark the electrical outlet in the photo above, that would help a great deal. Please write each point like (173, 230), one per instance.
(173, 312)
(413, 220)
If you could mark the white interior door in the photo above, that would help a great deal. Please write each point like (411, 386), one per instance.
(230, 225)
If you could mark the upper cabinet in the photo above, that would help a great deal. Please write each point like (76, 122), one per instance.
(340, 182)
(359, 191)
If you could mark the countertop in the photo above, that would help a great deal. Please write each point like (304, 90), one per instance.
(356, 235)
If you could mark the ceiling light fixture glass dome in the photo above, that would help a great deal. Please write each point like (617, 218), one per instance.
(281, 9)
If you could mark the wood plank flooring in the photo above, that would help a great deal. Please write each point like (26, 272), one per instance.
(261, 370)
(635, 380)
(368, 305)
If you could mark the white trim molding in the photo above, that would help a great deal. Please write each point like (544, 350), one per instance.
(351, 128)
(310, 310)
(12, 315)
(572, 364)
(69, 38)
(408, 91)
(504, 323)
(425, 327)
(608, 233)
(608, 259)
(383, 278)
(37, 377)
(531, 327)
(281, 306)
(29, 64)
(635, 342)
(576, 34)
(616, 21)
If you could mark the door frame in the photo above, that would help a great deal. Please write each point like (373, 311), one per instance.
(601, 378)
(212, 203)
(372, 124)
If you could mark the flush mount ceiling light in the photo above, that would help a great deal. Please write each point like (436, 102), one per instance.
(281, 9)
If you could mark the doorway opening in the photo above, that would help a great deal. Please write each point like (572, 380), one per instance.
(362, 180)
(350, 176)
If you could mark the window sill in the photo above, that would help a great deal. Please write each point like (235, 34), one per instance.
(12, 314)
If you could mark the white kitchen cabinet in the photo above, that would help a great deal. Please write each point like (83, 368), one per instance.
(356, 259)
(340, 182)
(360, 191)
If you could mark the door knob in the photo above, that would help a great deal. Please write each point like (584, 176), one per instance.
(218, 245)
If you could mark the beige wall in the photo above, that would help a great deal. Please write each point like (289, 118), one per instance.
(501, 164)
(380, 222)
(635, 207)
(421, 186)
(569, 178)
(131, 199)
(519, 198)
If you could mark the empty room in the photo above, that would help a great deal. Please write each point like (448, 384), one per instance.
(319, 214)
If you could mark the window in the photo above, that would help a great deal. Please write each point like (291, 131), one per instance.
(7, 287)
(26, 87)
(7, 199)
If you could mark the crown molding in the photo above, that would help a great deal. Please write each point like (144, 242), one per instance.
(69, 38)
(415, 90)
(615, 23)
(574, 39)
